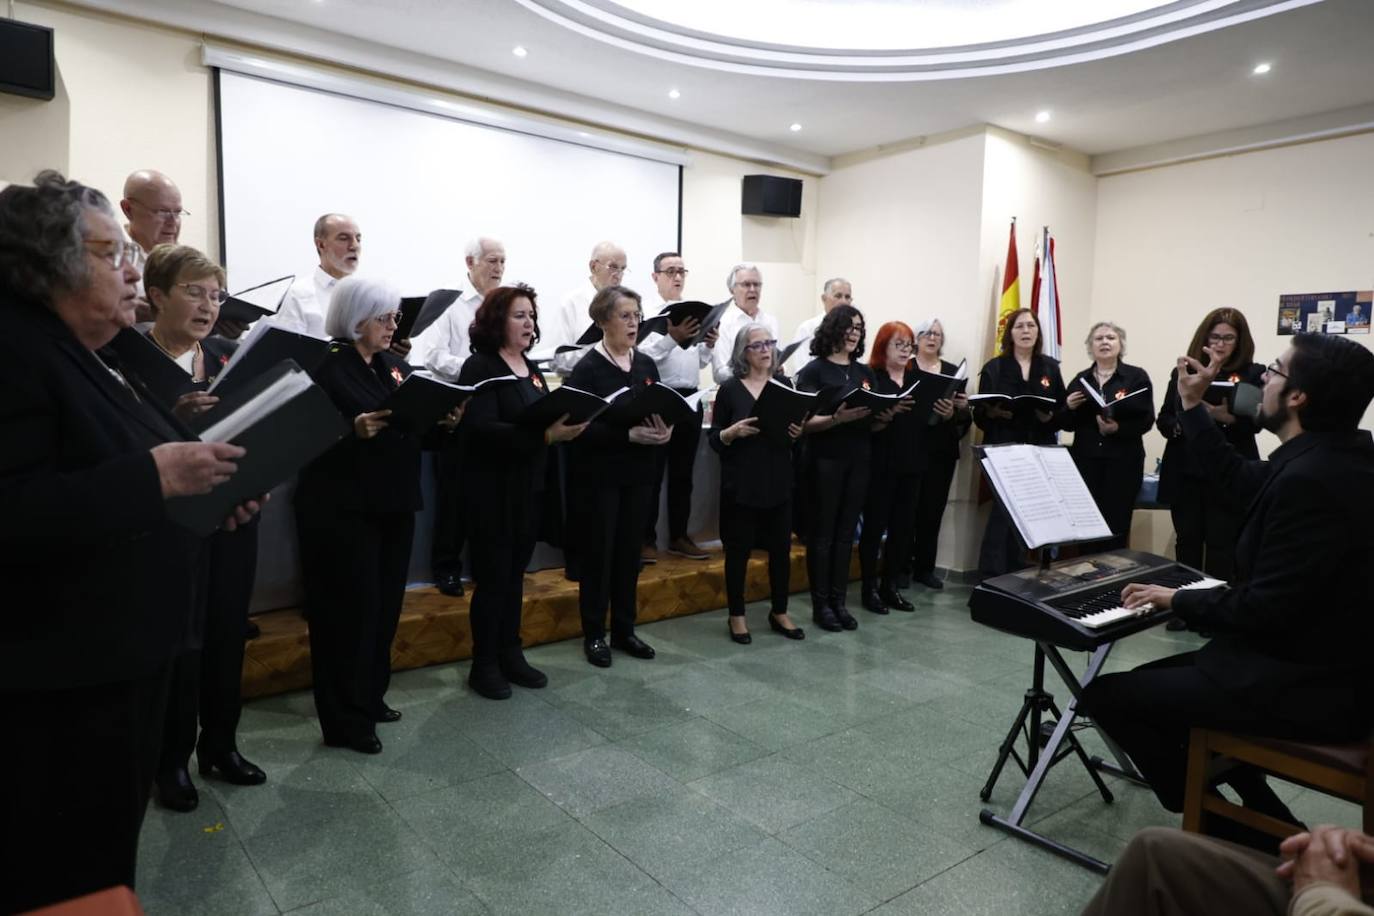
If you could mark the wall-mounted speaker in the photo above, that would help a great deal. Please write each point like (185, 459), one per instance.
(27, 66)
(771, 195)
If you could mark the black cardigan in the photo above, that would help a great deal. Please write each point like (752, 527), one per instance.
(754, 471)
(1002, 375)
(1134, 417)
(848, 440)
(604, 456)
(503, 464)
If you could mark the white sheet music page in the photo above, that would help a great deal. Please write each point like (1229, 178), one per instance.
(1084, 515)
(1044, 494)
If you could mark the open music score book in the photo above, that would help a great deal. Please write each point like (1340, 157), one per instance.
(419, 312)
(779, 405)
(1043, 493)
(283, 420)
(866, 397)
(424, 399)
(262, 348)
(580, 406)
(674, 313)
(256, 302)
(785, 353)
(659, 399)
(710, 321)
(1241, 398)
(1104, 407)
(936, 386)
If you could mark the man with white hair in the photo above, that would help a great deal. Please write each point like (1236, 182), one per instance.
(152, 206)
(339, 243)
(745, 283)
(836, 291)
(569, 319)
(443, 347)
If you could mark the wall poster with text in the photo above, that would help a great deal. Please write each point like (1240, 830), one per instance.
(1325, 313)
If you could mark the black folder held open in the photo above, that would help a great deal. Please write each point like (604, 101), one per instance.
(580, 406)
(263, 348)
(647, 400)
(424, 399)
(779, 405)
(248, 305)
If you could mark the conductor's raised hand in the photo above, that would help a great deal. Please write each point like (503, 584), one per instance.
(367, 425)
(742, 429)
(1193, 379)
(561, 430)
(192, 468)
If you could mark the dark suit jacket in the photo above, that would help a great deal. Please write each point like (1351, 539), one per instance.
(1294, 630)
(98, 583)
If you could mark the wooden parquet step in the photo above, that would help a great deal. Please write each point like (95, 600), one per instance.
(434, 627)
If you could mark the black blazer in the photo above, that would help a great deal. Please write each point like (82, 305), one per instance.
(504, 464)
(940, 441)
(604, 456)
(849, 440)
(381, 474)
(1292, 633)
(1178, 459)
(756, 470)
(1134, 417)
(98, 583)
(1002, 375)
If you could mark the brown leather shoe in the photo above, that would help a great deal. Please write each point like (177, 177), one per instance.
(686, 547)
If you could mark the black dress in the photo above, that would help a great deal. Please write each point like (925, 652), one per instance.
(755, 499)
(1206, 520)
(1112, 466)
(355, 515)
(835, 484)
(504, 473)
(611, 481)
(895, 467)
(939, 453)
(1002, 550)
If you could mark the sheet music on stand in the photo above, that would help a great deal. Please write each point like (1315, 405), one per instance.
(1044, 495)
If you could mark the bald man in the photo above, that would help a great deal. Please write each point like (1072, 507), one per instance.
(836, 291)
(339, 244)
(569, 319)
(152, 206)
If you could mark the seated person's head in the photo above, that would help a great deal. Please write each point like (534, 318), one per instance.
(1326, 381)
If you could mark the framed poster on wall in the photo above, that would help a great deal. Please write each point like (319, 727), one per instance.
(1325, 313)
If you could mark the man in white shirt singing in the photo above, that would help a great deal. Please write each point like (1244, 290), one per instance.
(679, 367)
(339, 244)
(836, 291)
(569, 319)
(746, 285)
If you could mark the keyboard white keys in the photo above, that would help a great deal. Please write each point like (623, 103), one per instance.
(1112, 615)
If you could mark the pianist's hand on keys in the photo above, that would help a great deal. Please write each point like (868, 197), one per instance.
(1139, 599)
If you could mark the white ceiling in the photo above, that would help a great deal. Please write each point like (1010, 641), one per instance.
(1322, 56)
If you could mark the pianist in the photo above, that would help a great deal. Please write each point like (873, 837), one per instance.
(1293, 629)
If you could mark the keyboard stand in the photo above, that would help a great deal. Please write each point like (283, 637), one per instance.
(1039, 761)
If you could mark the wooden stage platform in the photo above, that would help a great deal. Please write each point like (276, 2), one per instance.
(434, 627)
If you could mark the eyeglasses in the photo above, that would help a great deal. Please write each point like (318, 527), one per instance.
(750, 284)
(856, 329)
(904, 345)
(202, 294)
(759, 346)
(120, 252)
(1275, 369)
(631, 317)
(1222, 338)
(615, 268)
(933, 334)
(388, 318)
(674, 271)
(161, 213)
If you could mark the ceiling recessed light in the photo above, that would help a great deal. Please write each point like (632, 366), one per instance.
(1261, 69)
(674, 94)
(1041, 117)
(795, 127)
(519, 51)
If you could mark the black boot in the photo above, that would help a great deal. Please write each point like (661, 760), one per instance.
(520, 672)
(176, 792)
(870, 600)
(893, 598)
(822, 615)
(486, 679)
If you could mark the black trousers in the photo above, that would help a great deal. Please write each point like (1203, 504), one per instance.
(932, 495)
(206, 683)
(1114, 484)
(677, 460)
(742, 527)
(499, 559)
(76, 783)
(609, 527)
(354, 566)
(836, 488)
(1206, 524)
(890, 508)
(450, 526)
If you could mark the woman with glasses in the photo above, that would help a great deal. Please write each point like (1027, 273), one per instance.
(938, 455)
(504, 473)
(835, 479)
(1020, 368)
(355, 516)
(1206, 520)
(894, 469)
(755, 482)
(1108, 445)
(611, 480)
(186, 289)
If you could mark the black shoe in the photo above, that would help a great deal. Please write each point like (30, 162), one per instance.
(388, 715)
(846, 619)
(743, 639)
(520, 672)
(793, 633)
(929, 581)
(825, 619)
(176, 792)
(870, 602)
(633, 645)
(363, 744)
(598, 653)
(486, 679)
(251, 631)
(893, 598)
(1175, 624)
(232, 768)
(450, 584)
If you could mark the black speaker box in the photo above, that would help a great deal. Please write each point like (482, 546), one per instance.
(770, 195)
(27, 66)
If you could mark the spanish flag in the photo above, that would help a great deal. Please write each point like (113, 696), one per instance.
(1011, 291)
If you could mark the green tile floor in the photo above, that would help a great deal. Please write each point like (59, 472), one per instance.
(839, 775)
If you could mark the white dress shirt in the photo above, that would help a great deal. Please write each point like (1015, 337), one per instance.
(444, 346)
(306, 304)
(566, 323)
(677, 367)
(731, 322)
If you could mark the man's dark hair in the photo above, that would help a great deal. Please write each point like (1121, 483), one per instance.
(487, 333)
(1338, 378)
(830, 335)
(658, 261)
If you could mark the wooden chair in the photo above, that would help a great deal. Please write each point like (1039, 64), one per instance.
(1344, 771)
